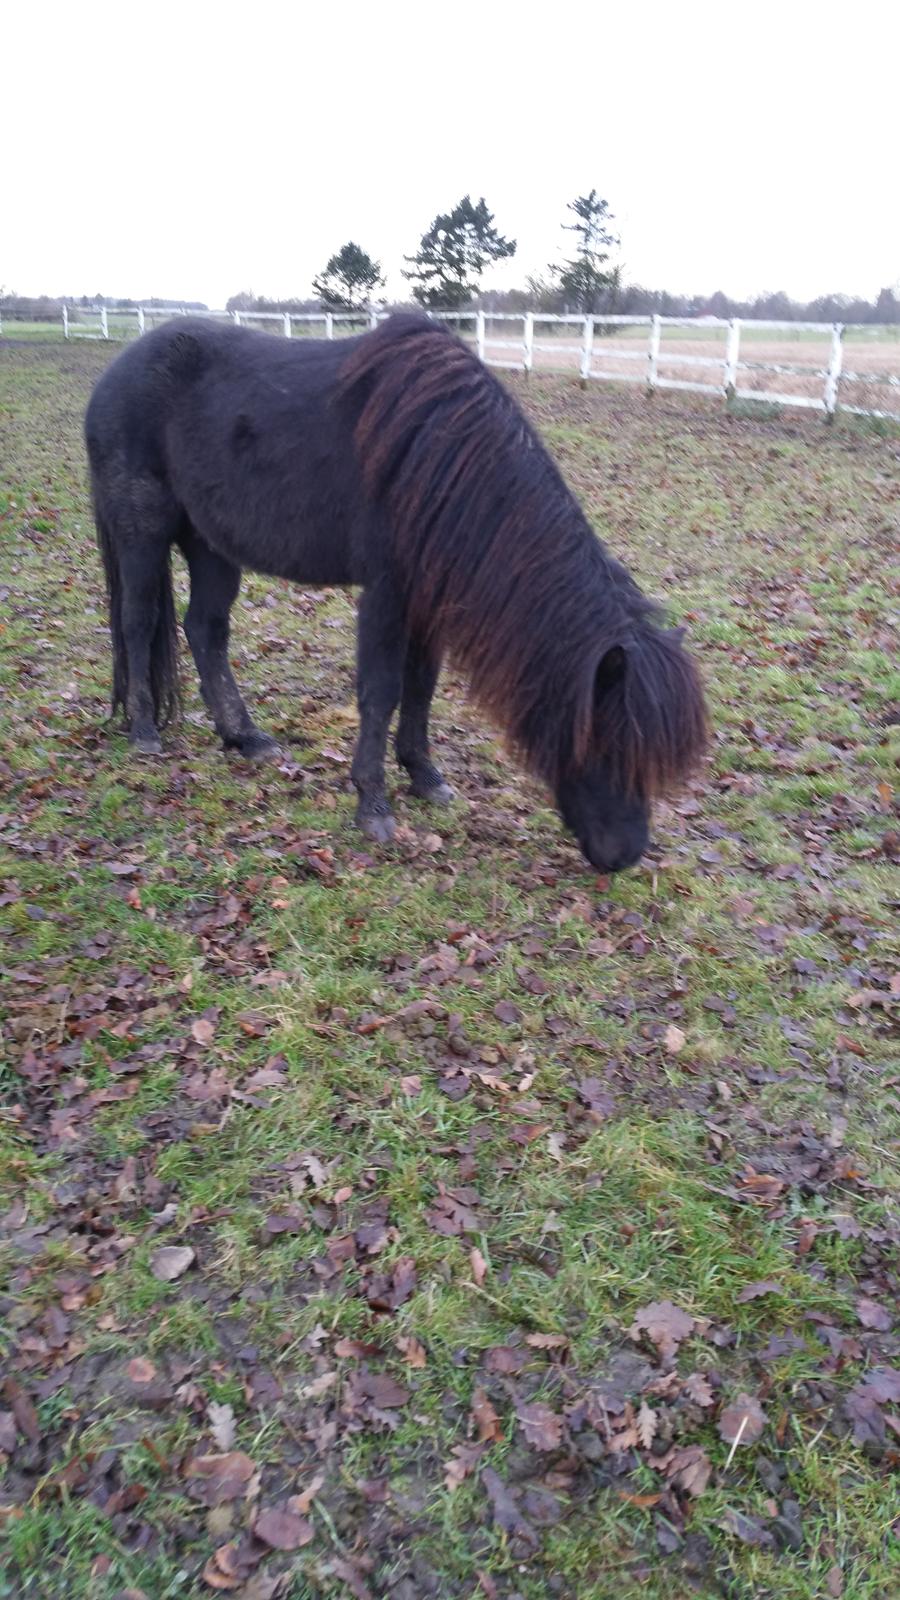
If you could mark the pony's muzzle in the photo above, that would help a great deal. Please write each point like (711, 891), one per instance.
(613, 851)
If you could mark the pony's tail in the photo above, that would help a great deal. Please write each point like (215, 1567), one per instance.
(165, 681)
(114, 608)
(165, 687)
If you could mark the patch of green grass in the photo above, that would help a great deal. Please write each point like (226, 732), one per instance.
(676, 1038)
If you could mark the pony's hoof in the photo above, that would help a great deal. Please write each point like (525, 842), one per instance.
(438, 794)
(380, 829)
(151, 746)
(261, 747)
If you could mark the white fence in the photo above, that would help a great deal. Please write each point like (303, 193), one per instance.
(654, 364)
(730, 363)
(139, 318)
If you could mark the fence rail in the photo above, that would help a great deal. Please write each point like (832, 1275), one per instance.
(593, 354)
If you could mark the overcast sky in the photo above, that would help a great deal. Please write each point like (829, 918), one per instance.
(194, 150)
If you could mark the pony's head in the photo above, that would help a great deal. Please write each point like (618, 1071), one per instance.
(612, 827)
(640, 731)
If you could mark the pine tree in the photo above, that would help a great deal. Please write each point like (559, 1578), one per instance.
(585, 281)
(452, 255)
(349, 279)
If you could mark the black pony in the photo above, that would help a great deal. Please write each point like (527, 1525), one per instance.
(397, 462)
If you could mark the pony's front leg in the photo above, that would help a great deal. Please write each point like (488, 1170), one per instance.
(420, 676)
(381, 648)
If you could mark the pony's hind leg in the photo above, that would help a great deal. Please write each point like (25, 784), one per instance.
(136, 532)
(381, 648)
(142, 574)
(214, 586)
(420, 677)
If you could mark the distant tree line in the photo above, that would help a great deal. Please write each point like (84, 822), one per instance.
(48, 308)
(634, 300)
(246, 300)
(460, 244)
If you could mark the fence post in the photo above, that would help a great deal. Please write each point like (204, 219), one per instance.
(587, 350)
(833, 376)
(653, 354)
(732, 352)
(104, 325)
(373, 317)
(479, 334)
(287, 325)
(329, 325)
(65, 317)
(140, 317)
(237, 318)
(528, 358)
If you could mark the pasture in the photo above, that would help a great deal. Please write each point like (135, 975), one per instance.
(443, 1220)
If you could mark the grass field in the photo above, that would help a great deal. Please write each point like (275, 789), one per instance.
(444, 1221)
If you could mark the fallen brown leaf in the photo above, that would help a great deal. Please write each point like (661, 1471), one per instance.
(506, 1012)
(764, 1186)
(387, 1291)
(7, 1432)
(170, 1261)
(381, 1389)
(23, 1410)
(452, 1211)
(665, 1324)
(355, 1349)
(283, 1530)
(743, 1421)
(504, 1359)
(697, 1387)
(755, 1291)
(221, 1570)
(750, 1530)
(647, 1424)
(689, 1468)
(487, 1422)
(873, 1315)
(220, 1478)
(462, 1464)
(350, 1573)
(540, 1425)
(221, 1423)
(546, 1341)
(478, 1264)
(140, 1370)
(412, 1351)
(505, 1511)
(300, 1503)
(317, 1386)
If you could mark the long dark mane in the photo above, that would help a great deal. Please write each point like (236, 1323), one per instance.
(502, 570)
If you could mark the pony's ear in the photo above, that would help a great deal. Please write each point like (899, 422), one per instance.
(611, 670)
